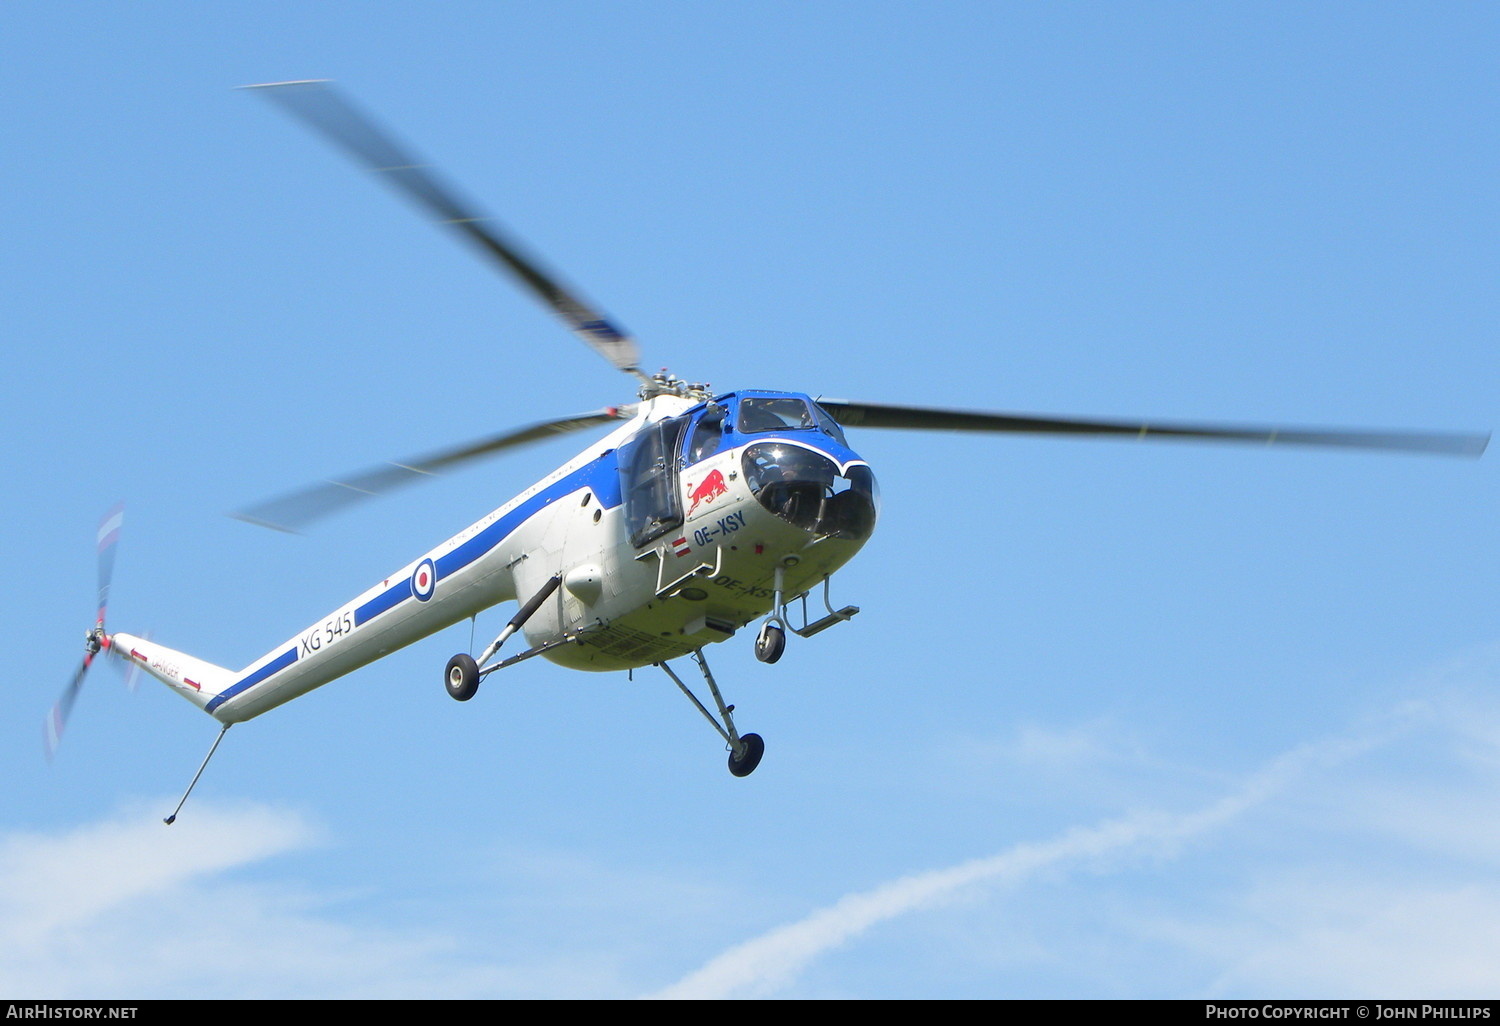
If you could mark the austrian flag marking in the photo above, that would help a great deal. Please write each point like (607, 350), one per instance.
(681, 547)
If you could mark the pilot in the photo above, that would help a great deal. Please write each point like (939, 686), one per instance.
(707, 435)
(755, 417)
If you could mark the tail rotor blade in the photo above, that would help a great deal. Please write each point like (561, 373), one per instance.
(57, 719)
(131, 668)
(96, 640)
(109, 537)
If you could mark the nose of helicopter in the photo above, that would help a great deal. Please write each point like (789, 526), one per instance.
(807, 488)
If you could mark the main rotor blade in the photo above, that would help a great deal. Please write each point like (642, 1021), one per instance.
(295, 510)
(320, 106)
(854, 414)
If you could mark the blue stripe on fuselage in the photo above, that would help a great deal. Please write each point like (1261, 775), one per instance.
(600, 476)
(281, 662)
(380, 603)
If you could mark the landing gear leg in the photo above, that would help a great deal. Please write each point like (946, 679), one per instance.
(744, 750)
(462, 675)
(771, 641)
(522, 615)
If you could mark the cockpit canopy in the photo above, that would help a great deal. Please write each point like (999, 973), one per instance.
(793, 472)
(805, 488)
(761, 413)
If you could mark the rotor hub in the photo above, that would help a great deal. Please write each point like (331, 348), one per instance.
(664, 382)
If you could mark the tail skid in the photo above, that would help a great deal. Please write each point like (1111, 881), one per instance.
(192, 678)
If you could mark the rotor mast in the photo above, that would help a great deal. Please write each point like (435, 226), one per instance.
(664, 382)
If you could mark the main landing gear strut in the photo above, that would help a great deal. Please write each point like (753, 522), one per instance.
(463, 673)
(462, 676)
(745, 750)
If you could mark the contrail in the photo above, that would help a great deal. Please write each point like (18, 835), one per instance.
(774, 959)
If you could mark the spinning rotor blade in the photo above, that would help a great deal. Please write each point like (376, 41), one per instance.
(109, 536)
(296, 510)
(317, 104)
(57, 719)
(97, 640)
(853, 414)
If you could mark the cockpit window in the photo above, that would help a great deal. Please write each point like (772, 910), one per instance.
(781, 413)
(829, 426)
(805, 488)
(707, 434)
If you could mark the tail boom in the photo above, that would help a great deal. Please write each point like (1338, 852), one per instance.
(198, 681)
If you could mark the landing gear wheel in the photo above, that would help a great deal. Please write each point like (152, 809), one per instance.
(462, 677)
(770, 643)
(754, 749)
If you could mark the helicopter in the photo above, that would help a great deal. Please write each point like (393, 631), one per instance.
(696, 515)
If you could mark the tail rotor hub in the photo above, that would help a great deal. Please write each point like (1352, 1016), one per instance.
(95, 640)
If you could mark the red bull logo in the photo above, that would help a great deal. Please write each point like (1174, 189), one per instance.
(709, 489)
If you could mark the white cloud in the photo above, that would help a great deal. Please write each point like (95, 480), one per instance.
(1319, 935)
(1332, 930)
(1293, 928)
(1357, 864)
(1074, 748)
(49, 884)
(130, 907)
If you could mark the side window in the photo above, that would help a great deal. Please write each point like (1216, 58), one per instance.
(708, 433)
(829, 426)
(648, 471)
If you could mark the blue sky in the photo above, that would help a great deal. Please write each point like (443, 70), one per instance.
(1116, 720)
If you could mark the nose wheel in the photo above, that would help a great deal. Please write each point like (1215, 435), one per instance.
(770, 642)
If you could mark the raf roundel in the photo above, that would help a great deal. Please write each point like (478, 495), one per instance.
(424, 580)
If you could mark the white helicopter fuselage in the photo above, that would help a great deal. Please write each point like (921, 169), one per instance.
(687, 522)
(621, 603)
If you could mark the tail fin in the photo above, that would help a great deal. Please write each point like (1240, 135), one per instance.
(192, 678)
